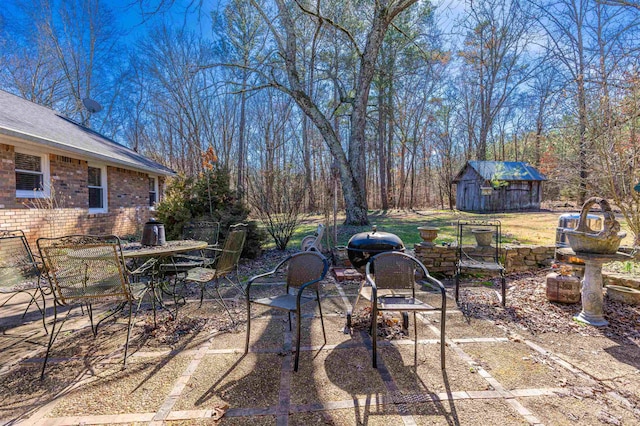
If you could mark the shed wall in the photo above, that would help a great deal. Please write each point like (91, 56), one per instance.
(517, 195)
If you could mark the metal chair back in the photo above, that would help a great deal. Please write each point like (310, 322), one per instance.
(466, 240)
(85, 268)
(394, 272)
(231, 251)
(304, 267)
(202, 231)
(477, 255)
(18, 269)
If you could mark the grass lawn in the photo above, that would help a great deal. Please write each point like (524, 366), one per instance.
(523, 227)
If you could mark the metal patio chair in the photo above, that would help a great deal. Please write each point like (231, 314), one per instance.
(19, 272)
(393, 288)
(484, 256)
(304, 271)
(84, 270)
(201, 231)
(180, 264)
(222, 265)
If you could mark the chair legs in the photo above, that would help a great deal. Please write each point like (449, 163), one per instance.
(324, 335)
(52, 336)
(298, 326)
(298, 330)
(503, 290)
(94, 329)
(374, 334)
(246, 345)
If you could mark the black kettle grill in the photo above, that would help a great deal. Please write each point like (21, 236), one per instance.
(363, 246)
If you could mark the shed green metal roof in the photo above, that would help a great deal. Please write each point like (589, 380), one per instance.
(504, 170)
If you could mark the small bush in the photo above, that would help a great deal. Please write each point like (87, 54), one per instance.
(207, 197)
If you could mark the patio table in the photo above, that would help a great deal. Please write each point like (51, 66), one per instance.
(156, 256)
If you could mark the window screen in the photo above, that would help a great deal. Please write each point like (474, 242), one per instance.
(96, 191)
(29, 174)
(152, 191)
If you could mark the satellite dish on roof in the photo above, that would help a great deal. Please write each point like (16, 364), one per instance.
(91, 105)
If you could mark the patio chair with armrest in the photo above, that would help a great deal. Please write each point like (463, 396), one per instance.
(223, 265)
(480, 258)
(181, 263)
(304, 271)
(393, 288)
(201, 231)
(84, 270)
(19, 272)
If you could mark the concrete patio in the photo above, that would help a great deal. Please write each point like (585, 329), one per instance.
(494, 375)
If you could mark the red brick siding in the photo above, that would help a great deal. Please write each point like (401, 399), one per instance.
(7, 177)
(69, 179)
(128, 201)
(127, 188)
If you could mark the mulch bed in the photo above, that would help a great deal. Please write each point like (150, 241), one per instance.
(527, 308)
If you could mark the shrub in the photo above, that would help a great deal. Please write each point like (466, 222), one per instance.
(207, 197)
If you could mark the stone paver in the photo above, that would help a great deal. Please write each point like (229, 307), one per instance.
(490, 376)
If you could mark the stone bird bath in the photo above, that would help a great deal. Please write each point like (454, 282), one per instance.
(595, 248)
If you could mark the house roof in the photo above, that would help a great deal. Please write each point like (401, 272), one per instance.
(503, 170)
(26, 120)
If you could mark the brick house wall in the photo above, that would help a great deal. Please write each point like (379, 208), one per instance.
(127, 205)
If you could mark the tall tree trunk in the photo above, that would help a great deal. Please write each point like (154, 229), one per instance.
(240, 186)
(382, 157)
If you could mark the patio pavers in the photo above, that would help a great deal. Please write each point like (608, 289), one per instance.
(492, 377)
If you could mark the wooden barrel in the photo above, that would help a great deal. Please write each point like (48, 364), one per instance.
(563, 288)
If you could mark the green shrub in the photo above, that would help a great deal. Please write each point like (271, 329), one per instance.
(207, 197)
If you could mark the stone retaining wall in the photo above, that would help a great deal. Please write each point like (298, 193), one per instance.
(611, 278)
(520, 258)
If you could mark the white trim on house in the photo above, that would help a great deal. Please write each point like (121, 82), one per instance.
(156, 188)
(103, 185)
(46, 175)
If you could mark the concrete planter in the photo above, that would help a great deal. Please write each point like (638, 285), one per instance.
(483, 237)
(428, 234)
(627, 295)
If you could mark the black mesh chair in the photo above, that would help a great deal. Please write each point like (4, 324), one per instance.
(19, 273)
(479, 250)
(304, 271)
(393, 288)
(84, 270)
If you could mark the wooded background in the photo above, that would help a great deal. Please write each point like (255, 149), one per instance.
(387, 99)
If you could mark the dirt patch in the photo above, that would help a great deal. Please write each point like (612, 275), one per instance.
(579, 409)
(466, 412)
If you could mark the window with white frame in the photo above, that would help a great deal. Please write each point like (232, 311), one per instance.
(153, 191)
(32, 174)
(97, 184)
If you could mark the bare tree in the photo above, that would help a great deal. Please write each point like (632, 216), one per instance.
(495, 49)
(284, 30)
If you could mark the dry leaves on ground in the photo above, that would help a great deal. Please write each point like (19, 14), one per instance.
(528, 309)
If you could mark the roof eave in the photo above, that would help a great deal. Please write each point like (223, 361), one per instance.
(64, 147)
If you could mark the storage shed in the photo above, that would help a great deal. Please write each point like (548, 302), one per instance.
(493, 186)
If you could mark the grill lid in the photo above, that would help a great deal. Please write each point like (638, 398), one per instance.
(366, 244)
